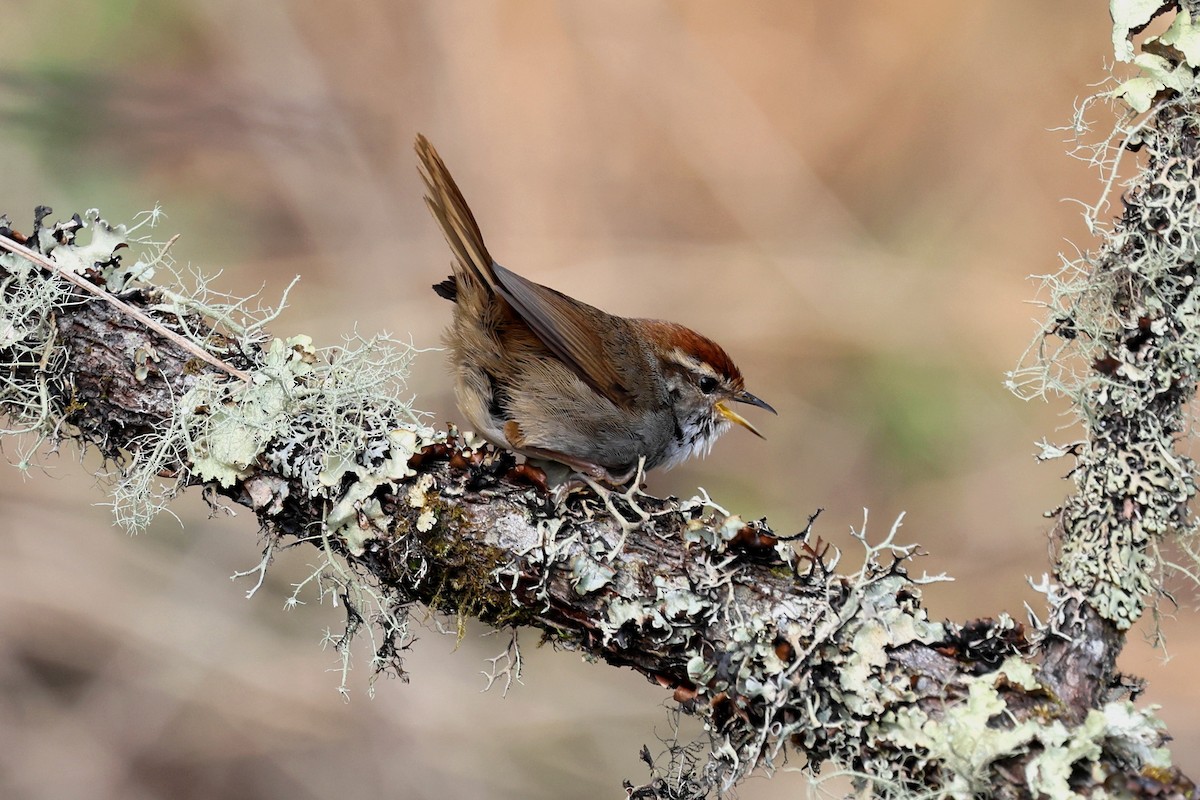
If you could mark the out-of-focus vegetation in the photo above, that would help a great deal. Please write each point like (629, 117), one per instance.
(848, 198)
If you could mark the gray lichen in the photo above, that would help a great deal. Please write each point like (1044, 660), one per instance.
(28, 334)
(1123, 341)
(764, 641)
(775, 651)
(801, 666)
(323, 426)
(967, 742)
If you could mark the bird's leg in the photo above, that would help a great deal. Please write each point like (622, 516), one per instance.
(602, 482)
(579, 466)
(631, 491)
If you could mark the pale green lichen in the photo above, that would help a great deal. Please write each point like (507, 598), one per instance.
(356, 517)
(418, 497)
(859, 679)
(230, 427)
(418, 490)
(1184, 36)
(330, 419)
(808, 669)
(1122, 338)
(962, 741)
(966, 740)
(589, 574)
(1128, 16)
(28, 330)
(1156, 74)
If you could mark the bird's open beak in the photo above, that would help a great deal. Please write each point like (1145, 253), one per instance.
(736, 418)
(746, 397)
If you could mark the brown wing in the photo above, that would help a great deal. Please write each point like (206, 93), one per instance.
(569, 329)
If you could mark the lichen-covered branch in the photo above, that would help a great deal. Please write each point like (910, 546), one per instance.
(783, 646)
(1122, 341)
(778, 646)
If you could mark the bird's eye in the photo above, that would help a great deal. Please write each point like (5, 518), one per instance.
(708, 384)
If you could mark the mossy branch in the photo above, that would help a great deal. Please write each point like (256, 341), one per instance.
(774, 643)
(766, 640)
(1122, 342)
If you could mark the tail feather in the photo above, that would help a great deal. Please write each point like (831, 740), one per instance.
(447, 289)
(454, 216)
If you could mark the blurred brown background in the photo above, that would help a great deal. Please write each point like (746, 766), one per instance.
(848, 198)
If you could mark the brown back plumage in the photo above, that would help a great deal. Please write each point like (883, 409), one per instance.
(558, 379)
(578, 334)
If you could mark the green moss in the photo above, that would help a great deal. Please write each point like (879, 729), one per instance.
(462, 580)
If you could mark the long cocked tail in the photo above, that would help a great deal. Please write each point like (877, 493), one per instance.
(457, 222)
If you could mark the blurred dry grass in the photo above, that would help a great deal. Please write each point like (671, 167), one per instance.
(848, 198)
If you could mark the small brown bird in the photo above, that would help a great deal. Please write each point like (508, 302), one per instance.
(556, 379)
